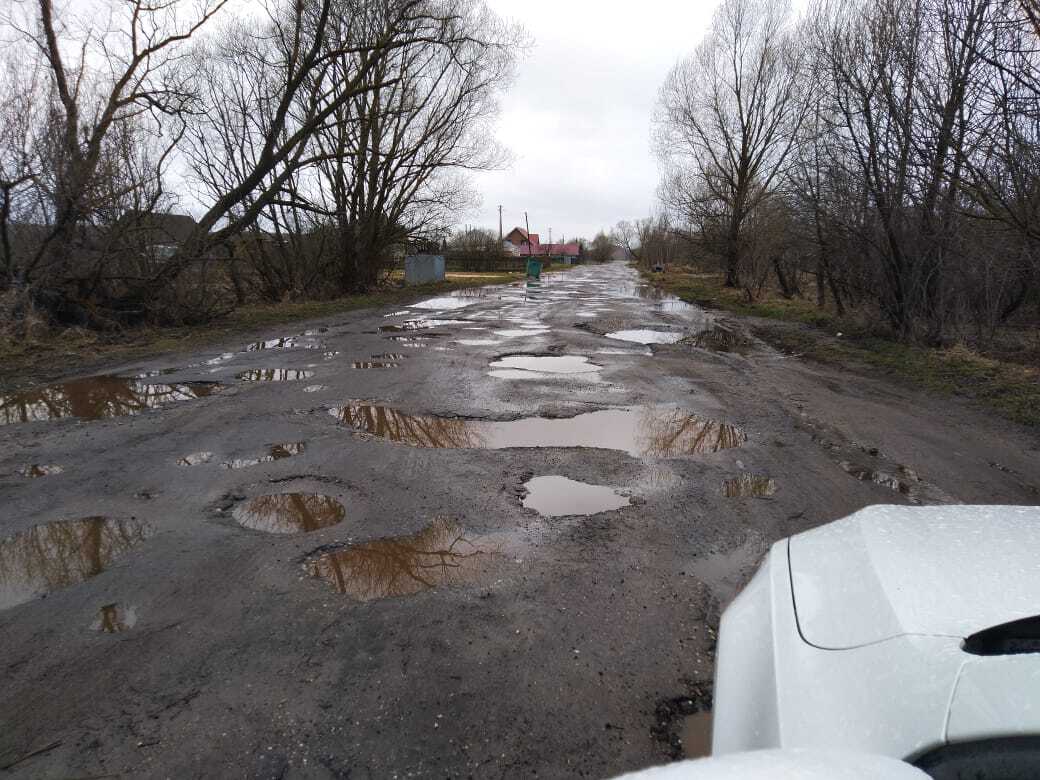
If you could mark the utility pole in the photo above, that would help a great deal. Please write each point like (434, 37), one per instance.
(500, 224)
(550, 236)
(527, 224)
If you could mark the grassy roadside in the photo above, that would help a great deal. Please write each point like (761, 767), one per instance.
(26, 360)
(1012, 390)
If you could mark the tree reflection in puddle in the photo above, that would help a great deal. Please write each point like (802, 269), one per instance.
(290, 513)
(660, 432)
(52, 556)
(437, 556)
(96, 398)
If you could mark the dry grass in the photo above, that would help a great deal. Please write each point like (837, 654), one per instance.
(1009, 387)
(34, 353)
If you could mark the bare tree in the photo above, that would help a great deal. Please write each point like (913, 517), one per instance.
(727, 119)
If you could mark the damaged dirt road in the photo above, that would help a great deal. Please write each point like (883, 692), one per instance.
(374, 547)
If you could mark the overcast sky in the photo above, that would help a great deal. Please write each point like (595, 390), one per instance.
(578, 117)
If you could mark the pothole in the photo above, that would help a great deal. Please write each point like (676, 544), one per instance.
(96, 398)
(749, 486)
(641, 431)
(195, 459)
(34, 470)
(275, 452)
(563, 364)
(683, 724)
(478, 342)
(289, 513)
(645, 336)
(903, 483)
(720, 338)
(557, 496)
(274, 375)
(315, 388)
(284, 342)
(374, 364)
(114, 618)
(52, 556)
(442, 554)
(515, 333)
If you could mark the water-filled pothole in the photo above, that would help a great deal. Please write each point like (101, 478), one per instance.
(561, 364)
(720, 338)
(515, 333)
(275, 452)
(195, 459)
(285, 342)
(557, 496)
(114, 618)
(34, 470)
(289, 513)
(695, 735)
(96, 398)
(439, 555)
(749, 486)
(274, 375)
(374, 364)
(646, 336)
(641, 431)
(901, 483)
(52, 556)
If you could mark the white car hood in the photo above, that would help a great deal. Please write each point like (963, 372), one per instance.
(888, 571)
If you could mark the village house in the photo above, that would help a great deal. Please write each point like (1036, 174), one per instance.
(519, 242)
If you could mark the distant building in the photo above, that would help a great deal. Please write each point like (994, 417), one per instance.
(519, 242)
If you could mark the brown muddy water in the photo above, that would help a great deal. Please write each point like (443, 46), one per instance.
(749, 486)
(275, 452)
(274, 375)
(115, 618)
(96, 398)
(695, 735)
(34, 470)
(289, 513)
(52, 556)
(720, 338)
(651, 431)
(557, 496)
(561, 364)
(442, 554)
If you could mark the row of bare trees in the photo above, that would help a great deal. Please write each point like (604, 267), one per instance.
(312, 138)
(887, 151)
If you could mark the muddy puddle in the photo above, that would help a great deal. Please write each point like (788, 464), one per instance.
(478, 342)
(749, 486)
(51, 556)
(457, 300)
(419, 325)
(645, 336)
(425, 341)
(903, 481)
(561, 364)
(440, 555)
(374, 364)
(289, 513)
(96, 398)
(35, 470)
(274, 375)
(642, 431)
(315, 388)
(516, 333)
(695, 735)
(275, 452)
(285, 342)
(558, 496)
(720, 338)
(114, 618)
(195, 459)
